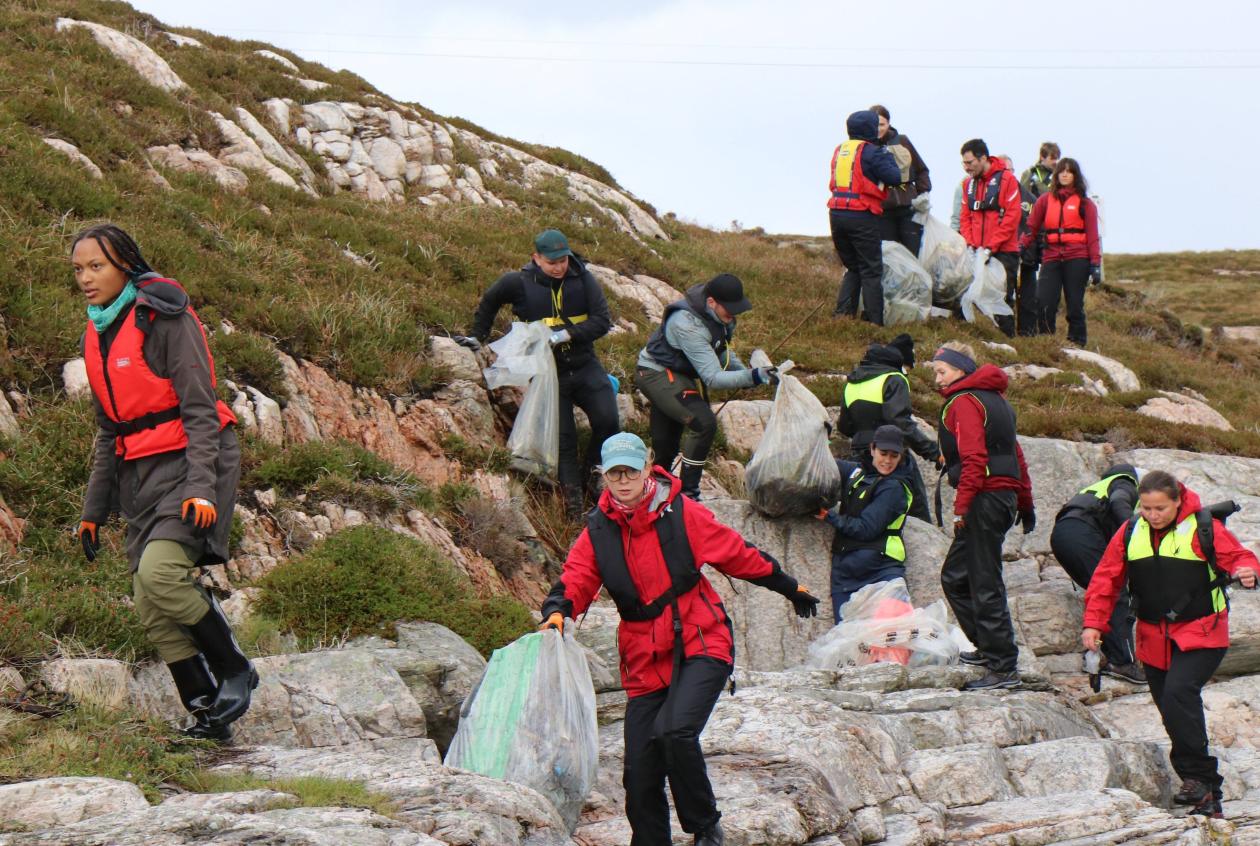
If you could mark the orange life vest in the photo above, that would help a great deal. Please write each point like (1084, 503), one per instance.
(1064, 222)
(850, 189)
(142, 407)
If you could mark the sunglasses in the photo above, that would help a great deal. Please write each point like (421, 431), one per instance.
(617, 474)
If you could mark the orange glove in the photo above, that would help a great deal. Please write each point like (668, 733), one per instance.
(555, 621)
(90, 539)
(201, 513)
(821, 515)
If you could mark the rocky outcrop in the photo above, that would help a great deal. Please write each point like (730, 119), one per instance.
(74, 378)
(649, 293)
(194, 160)
(242, 151)
(134, 52)
(73, 153)
(1182, 408)
(51, 802)
(12, 527)
(1122, 377)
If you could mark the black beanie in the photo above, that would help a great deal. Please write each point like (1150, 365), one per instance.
(880, 354)
(904, 344)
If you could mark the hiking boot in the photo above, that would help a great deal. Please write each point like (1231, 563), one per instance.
(1191, 792)
(1130, 672)
(993, 680)
(974, 658)
(711, 836)
(1210, 807)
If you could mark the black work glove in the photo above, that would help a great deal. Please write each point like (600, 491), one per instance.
(1095, 274)
(1028, 519)
(960, 525)
(804, 603)
(89, 537)
(465, 341)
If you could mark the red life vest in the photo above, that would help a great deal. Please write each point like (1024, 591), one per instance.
(1070, 225)
(850, 189)
(142, 406)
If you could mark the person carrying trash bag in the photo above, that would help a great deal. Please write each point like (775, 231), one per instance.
(1082, 529)
(875, 498)
(556, 288)
(984, 462)
(1176, 559)
(166, 458)
(877, 393)
(645, 543)
(989, 216)
(687, 356)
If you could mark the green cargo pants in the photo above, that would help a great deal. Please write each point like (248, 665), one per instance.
(167, 599)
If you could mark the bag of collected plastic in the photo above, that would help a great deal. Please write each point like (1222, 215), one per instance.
(879, 623)
(987, 292)
(524, 359)
(943, 253)
(792, 473)
(531, 720)
(907, 286)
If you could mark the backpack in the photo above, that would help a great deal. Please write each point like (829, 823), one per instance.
(903, 158)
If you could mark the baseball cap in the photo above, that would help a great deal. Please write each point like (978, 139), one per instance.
(624, 449)
(551, 244)
(889, 438)
(728, 290)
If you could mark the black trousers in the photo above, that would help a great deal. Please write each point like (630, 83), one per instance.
(1078, 547)
(1010, 263)
(897, 224)
(588, 388)
(1177, 692)
(662, 733)
(1069, 278)
(856, 238)
(1029, 311)
(678, 405)
(971, 578)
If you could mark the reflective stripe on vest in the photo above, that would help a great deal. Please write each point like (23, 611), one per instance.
(856, 502)
(1071, 224)
(1160, 580)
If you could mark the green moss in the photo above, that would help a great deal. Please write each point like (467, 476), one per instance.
(309, 791)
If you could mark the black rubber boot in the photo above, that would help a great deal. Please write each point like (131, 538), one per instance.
(197, 689)
(690, 475)
(574, 506)
(237, 677)
(711, 836)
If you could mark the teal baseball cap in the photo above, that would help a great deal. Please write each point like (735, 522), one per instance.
(624, 449)
(552, 245)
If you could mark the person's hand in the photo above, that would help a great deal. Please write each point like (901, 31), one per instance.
(765, 375)
(1028, 520)
(1091, 639)
(921, 203)
(559, 337)
(89, 537)
(201, 514)
(467, 342)
(1095, 274)
(985, 254)
(960, 525)
(555, 621)
(822, 514)
(1246, 577)
(804, 603)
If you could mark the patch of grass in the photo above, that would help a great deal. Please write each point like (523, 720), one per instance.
(496, 459)
(310, 791)
(489, 528)
(365, 579)
(249, 359)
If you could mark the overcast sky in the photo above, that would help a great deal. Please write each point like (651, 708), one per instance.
(721, 111)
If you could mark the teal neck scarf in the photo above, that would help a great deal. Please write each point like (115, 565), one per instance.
(103, 316)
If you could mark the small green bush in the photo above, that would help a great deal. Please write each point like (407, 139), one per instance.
(249, 359)
(363, 580)
(299, 467)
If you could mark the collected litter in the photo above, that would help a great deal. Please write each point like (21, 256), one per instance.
(524, 359)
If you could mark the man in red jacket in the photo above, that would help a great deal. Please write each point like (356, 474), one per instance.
(990, 214)
(645, 543)
(984, 462)
(1183, 617)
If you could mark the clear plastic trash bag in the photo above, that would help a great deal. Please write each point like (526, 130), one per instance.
(943, 253)
(793, 473)
(907, 286)
(531, 720)
(524, 359)
(987, 292)
(879, 623)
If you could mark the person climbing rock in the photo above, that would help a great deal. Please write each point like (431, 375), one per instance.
(645, 543)
(166, 458)
(1175, 559)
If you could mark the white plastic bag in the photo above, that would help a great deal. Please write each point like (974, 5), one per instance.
(524, 359)
(792, 472)
(943, 253)
(531, 720)
(907, 286)
(878, 623)
(987, 292)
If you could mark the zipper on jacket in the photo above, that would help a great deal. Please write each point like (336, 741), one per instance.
(712, 610)
(703, 646)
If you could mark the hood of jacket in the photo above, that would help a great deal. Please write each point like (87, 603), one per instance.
(577, 267)
(863, 126)
(996, 165)
(1120, 469)
(988, 377)
(1190, 502)
(871, 369)
(162, 295)
(695, 296)
(647, 512)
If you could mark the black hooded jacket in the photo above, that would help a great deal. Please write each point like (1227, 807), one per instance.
(1109, 514)
(860, 423)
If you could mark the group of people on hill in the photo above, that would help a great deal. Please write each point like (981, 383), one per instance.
(1042, 228)
(167, 458)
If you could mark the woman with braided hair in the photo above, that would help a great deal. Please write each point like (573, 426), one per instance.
(168, 460)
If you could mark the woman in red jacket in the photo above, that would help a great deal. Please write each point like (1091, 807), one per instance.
(1183, 617)
(645, 543)
(1073, 256)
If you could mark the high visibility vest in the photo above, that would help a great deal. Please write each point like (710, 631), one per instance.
(864, 403)
(1160, 580)
(1091, 501)
(850, 188)
(142, 407)
(857, 498)
(999, 437)
(1064, 223)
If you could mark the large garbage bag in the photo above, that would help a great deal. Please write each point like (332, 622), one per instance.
(987, 292)
(879, 623)
(793, 473)
(907, 286)
(943, 253)
(531, 720)
(524, 359)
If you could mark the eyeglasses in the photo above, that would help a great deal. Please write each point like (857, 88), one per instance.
(617, 474)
